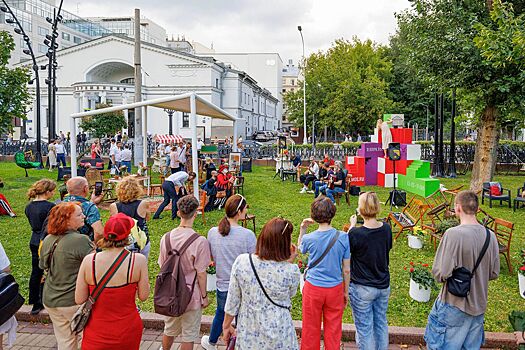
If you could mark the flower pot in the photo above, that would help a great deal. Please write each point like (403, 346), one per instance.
(211, 284)
(415, 242)
(418, 293)
(521, 281)
(301, 283)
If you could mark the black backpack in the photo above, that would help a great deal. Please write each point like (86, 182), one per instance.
(10, 299)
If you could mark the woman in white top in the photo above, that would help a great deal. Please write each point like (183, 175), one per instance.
(227, 242)
(52, 155)
(264, 320)
(386, 135)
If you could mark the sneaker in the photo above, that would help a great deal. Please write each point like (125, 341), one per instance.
(37, 308)
(311, 192)
(205, 343)
(303, 190)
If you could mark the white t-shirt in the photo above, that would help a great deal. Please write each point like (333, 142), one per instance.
(118, 155)
(125, 155)
(167, 150)
(113, 151)
(4, 260)
(179, 178)
(199, 145)
(181, 152)
(60, 148)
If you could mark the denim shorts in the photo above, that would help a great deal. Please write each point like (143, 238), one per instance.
(450, 328)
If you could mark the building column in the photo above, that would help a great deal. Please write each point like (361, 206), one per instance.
(103, 96)
(85, 102)
(126, 116)
(176, 122)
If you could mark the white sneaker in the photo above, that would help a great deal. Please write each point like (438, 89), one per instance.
(311, 192)
(205, 343)
(303, 190)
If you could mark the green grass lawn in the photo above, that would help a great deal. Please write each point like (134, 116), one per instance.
(269, 198)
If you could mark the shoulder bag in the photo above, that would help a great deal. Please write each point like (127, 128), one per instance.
(458, 283)
(81, 317)
(325, 253)
(289, 308)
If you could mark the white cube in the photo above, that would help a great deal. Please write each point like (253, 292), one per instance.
(413, 152)
(389, 180)
(381, 165)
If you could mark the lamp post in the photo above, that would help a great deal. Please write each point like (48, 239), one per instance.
(29, 51)
(170, 118)
(51, 67)
(305, 139)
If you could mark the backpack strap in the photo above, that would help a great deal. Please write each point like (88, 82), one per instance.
(483, 251)
(262, 287)
(325, 253)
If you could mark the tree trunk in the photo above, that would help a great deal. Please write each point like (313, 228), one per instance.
(486, 149)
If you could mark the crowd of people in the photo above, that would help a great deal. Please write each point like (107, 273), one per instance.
(256, 276)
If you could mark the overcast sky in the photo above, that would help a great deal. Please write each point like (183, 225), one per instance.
(259, 26)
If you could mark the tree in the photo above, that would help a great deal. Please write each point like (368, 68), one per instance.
(105, 124)
(347, 88)
(440, 42)
(14, 97)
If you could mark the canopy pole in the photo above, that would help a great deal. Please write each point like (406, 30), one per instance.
(194, 159)
(235, 137)
(73, 143)
(145, 136)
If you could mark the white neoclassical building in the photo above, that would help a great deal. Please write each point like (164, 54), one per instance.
(101, 71)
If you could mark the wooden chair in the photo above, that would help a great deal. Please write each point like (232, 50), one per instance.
(94, 175)
(503, 230)
(154, 187)
(238, 185)
(346, 193)
(203, 200)
(409, 217)
(485, 218)
(248, 217)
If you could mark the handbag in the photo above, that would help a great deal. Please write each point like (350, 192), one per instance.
(81, 317)
(289, 308)
(325, 253)
(458, 283)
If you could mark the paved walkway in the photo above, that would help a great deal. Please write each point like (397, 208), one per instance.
(39, 336)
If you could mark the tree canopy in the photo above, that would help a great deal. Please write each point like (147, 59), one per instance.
(14, 97)
(106, 124)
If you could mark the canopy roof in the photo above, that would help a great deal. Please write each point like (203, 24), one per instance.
(168, 138)
(179, 103)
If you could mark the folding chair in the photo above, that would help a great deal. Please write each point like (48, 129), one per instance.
(409, 217)
(503, 230)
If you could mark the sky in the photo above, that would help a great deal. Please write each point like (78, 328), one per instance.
(259, 26)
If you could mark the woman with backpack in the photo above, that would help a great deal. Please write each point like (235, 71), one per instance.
(260, 292)
(36, 212)
(114, 322)
(227, 242)
(325, 292)
(128, 193)
(61, 254)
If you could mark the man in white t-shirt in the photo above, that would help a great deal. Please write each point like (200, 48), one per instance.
(125, 157)
(61, 153)
(181, 152)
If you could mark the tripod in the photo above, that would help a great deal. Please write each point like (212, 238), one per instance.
(395, 197)
(280, 172)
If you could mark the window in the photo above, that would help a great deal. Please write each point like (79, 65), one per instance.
(77, 40)
(66, 36)
(185, 120)
(42, 48)
(128, 81)
(43, 31)
(217, 83)
(293, 82)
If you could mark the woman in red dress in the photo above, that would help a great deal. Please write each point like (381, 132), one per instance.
(115, 322)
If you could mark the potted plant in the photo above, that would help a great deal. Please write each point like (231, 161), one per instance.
(421, 282)
(211, 274)
(415, 238)
(302, 268)
(521, 274)
(446, 224)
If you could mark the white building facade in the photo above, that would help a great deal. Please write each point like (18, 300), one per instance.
(101, 71)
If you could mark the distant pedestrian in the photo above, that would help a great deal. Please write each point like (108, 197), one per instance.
(456, 322)
(125, 158)
(96, 150)
(61, 153)
(174, 187)
(52, 154)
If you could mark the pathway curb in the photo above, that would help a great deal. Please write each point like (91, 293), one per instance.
(397, 335)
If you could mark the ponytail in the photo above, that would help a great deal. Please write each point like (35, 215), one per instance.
(41, 187)
(224, 226)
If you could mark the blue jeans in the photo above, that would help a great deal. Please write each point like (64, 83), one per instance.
(330, 193)
(127, 163)
(216, 326)
(170, 195)
(319, 186)
(450, 328)
(61, 158)
(369, 307)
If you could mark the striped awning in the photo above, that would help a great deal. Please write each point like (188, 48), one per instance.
(169, 138)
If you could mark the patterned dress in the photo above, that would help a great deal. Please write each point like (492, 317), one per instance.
(262, 325)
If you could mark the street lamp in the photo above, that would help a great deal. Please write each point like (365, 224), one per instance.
(29, 51)
(170, 116)
(305, 139)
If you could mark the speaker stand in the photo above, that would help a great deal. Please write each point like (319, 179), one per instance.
(394, 193)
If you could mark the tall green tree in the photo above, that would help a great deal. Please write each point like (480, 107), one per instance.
(14, 97)
(106, 124)
(347, 87)
(440, 42)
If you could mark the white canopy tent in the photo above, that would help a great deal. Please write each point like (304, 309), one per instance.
(188, 103)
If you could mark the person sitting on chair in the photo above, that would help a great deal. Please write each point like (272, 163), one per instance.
(328, 159)
(174, 188)
(209, 167)
(336, 184)
(211, 190)
(225, 180)
(311, 175)
(296, 164)
(321, 185)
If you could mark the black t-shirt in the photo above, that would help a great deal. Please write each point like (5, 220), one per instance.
(369, 256)
(322, 173)
(341, 177)
(37, 212)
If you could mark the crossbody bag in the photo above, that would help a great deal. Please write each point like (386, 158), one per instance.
(458, 283)
(81, 317)
(325, 253)
(289, 308)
